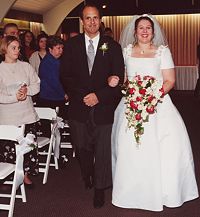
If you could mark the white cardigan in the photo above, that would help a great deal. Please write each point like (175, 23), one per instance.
(34, 60)
(12, 75)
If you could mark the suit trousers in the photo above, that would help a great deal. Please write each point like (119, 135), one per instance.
(93, 150)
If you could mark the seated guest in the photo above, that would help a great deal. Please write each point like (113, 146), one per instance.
(18, 83)
(51, 91)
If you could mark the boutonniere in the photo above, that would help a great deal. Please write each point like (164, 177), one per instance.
(104, 47)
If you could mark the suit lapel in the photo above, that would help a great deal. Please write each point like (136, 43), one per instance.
(83, 54)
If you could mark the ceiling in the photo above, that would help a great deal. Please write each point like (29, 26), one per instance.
(35, 6)
(131, 7)
(124, 7)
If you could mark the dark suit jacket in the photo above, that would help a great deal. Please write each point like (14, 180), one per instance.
(77, 81)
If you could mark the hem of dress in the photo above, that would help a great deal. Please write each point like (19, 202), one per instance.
(156, 210)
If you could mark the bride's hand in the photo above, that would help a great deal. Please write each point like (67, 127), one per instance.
(113, 81)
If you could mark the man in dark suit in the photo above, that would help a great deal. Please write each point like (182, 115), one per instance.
(92, 101)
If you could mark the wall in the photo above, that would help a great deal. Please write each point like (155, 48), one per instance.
(182, 31)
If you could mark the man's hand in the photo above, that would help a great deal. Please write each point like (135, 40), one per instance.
(90, 99)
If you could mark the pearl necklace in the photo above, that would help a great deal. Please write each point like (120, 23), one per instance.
(142, 52)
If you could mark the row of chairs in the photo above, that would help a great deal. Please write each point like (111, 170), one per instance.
(6, 169)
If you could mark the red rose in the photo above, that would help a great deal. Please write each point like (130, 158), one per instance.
(138, 98)
(132, 90)
(147, 77)
(150, 109)
(150, 98)
(139, 82)
(133, 105)
(142, 91)
(138, 116)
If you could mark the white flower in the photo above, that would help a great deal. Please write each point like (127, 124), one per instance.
(154, 101)
(104, 47)
(140, 107)
(144, 114)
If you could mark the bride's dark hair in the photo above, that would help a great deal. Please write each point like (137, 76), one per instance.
(128, 37)
(144, 18)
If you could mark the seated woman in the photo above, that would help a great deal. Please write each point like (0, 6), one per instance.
(18, 83)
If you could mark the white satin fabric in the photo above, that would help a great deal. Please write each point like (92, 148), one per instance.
(160, 172)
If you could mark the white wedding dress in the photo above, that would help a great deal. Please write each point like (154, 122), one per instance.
(161, 171)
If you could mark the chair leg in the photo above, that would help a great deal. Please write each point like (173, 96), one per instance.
(12, 200)
(56, 163)
(73, 153)
(55, 159)
(22, 188)
(46, 171)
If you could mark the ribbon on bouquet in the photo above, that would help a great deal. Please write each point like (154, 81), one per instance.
(26, 144)
(57, 124)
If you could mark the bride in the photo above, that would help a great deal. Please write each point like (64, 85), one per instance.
(161, 171)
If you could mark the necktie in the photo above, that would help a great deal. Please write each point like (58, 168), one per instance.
(91, 55)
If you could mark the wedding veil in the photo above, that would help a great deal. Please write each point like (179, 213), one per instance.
(127, 36)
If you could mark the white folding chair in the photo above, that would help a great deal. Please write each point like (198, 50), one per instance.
(67, 143)
(47, 114)
(66, 134)
(9, 132)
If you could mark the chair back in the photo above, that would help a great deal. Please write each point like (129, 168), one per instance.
(10, 132)
(46, 113)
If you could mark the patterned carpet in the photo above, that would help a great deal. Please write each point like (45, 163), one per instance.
(64, 194)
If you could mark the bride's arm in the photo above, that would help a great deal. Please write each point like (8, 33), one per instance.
(168, 79)
(113, 80)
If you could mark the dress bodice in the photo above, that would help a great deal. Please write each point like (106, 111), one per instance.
(148, 66)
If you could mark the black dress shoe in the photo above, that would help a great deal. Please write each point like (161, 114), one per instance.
(99, 199)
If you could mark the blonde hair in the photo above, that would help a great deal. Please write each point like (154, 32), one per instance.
(5, 43)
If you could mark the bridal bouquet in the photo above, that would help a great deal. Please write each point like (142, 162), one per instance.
(142, 94)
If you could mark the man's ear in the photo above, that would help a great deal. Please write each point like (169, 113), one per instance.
(81, 22)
